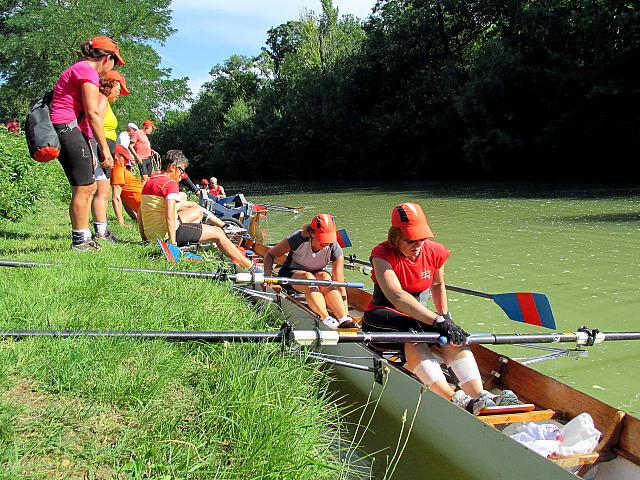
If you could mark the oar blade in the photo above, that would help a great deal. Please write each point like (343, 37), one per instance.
(343, 238)
(173, 254)
(525, 307)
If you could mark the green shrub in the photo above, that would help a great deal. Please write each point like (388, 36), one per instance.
(24, 183)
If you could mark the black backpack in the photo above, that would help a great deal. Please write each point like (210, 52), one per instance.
(42, 139)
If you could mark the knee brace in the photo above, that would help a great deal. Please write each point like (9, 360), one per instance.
(465, 369)
(429, 371)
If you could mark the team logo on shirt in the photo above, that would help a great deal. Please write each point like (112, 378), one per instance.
(426, 274)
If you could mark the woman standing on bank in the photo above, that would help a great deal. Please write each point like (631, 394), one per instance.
(75, 113)
(112, 85)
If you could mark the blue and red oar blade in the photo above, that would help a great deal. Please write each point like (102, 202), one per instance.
(192, 257)
(171, 252)
(343, 238)
(531, 308)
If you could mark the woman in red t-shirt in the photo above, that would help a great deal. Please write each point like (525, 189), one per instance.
(406, 269)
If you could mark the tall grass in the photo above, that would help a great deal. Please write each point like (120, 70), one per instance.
(24, 183)
(110, 408)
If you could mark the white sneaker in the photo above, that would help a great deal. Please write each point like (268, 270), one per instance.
(461, 399)
(331, 322)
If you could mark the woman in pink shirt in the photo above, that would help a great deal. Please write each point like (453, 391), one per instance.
(75, 114)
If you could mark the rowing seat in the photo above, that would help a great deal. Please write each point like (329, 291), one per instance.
(524, 412)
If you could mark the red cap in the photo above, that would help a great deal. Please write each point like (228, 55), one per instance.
(324, 228)
(120, 150)
(105, 43)
(117, 76)
(410, 218)
(148, 123)
(204, 181)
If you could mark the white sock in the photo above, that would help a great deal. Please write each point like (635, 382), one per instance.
(101, 227)
(87, 235)
(344, 319)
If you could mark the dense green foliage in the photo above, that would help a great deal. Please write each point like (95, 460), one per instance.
(427, 88)
(40, 39)
(26, 185)
(109, 408)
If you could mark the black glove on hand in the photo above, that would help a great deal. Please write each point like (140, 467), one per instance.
(447, 328)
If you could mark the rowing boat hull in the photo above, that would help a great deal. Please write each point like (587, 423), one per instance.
(475, 447)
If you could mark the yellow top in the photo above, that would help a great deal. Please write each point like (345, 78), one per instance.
(110, 124)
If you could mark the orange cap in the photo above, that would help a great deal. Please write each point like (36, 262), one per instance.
(105, 43)
(117, 76)
(324, 228)
(148, 123)
(120, 150)
(410, 218)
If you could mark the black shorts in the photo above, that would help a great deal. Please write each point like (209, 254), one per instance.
(187, 233)
(75, 156)
(145, 167)
(389, 320)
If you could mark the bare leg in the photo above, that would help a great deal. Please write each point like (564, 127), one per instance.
(80, 205)
(332, 296)
(132, 214)
(315, 298)
(216, 234)
(100, 203)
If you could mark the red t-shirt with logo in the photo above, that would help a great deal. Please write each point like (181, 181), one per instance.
(415, 276)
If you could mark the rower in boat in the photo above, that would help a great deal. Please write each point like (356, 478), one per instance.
(406, 267)
(309, 251)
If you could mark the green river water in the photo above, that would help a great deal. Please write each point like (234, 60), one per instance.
(580, 245)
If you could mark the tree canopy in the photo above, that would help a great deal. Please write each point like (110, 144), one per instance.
(41, 38)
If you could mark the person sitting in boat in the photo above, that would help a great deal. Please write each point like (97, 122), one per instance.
(405, 268)
(158, 216)
(216, 190)
(310, 250)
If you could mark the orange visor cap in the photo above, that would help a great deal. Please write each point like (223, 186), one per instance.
(105, 43)
(117, 76)
(410, 218)
(324, 228)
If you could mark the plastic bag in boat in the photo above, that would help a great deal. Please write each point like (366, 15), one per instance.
(544, 439)
(579, 435)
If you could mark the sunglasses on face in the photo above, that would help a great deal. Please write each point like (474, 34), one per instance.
(413, 242)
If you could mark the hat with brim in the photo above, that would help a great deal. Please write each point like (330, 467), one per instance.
(117, 76)
(105, 43)
(132, 125)
(411, 221)
(324, 228)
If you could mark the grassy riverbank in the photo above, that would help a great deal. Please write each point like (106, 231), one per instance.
(106, 408)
